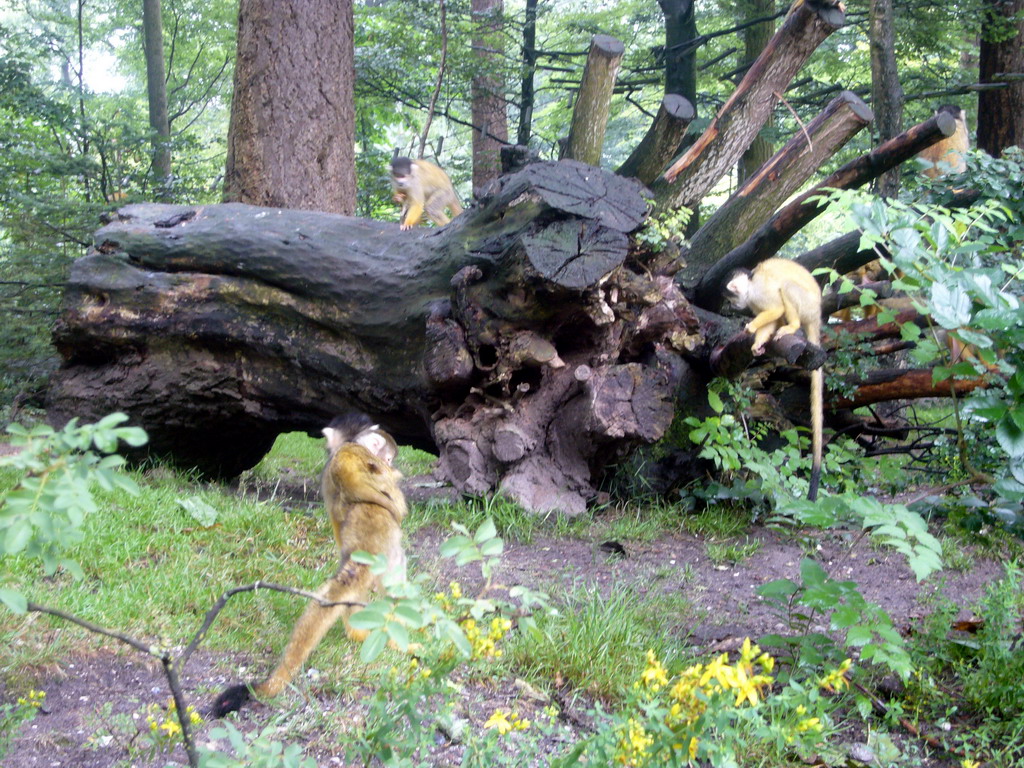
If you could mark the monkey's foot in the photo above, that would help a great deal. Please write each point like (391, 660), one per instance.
(231, 700)
(758, 350)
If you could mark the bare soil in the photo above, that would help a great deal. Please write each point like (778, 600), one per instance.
(724, 597)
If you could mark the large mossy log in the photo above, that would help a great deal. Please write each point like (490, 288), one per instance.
(218, 327)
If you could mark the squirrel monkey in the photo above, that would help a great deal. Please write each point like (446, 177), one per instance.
(777, 290)
(948, 156)
(366, 508)
(422, 187)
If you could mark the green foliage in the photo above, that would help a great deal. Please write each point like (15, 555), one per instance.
(818, 597)
(974, 676)
(754, 463)
(663, 228)
(259, 750)
(42, 516)
(15, 715)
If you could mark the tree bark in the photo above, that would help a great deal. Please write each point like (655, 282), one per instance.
(156, 88)
(291, 137)
(521, 342)
(759, 196)
(886, 91)
(742, 116)
(490, 123)
(593, 102)
(661, 141)
(529, 67)
(755, 38)
(680, 48)
(1001, 111)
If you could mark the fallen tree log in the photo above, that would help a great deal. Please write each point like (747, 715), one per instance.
(218, 327)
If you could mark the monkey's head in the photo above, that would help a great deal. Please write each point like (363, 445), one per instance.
(954, 111)
(402, 169)
(737, 290)
(356, 427)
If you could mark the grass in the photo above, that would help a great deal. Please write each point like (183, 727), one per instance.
(590, 625)
(723, 553)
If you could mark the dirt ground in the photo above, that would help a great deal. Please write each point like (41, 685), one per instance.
(724, 597)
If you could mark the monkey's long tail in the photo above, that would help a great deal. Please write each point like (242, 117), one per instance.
(817, 396)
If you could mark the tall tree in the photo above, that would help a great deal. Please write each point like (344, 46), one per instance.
(156, 86)
(291, 137)
(490, 121)
(755, 38)
(886, 91)
(526, 92)
(1001, 111)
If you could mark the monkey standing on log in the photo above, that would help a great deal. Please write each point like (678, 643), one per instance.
(422, 187)
(780, 289)
(366, 507)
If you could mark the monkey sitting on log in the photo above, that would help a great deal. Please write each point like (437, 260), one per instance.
(777, 290)
(366, 508)
(422, 188)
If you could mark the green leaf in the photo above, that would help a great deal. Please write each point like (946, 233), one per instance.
(200, 511)
(373, 646)
(14, 600)
(485, 532)
(399, 634)
(1010, 436)
(367, 618)
(715, 401)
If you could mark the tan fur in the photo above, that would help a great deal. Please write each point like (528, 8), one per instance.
(948, 156)
(366, 508)
(425, 189)
(785, 297)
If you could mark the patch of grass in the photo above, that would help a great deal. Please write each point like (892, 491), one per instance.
(722, 553)
(589, 627)
(511, 520)
(413, 461)
(718, 522)
(294, 452)
(153, 569)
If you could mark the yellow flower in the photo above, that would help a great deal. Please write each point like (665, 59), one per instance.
(456, 589)
(500, 721)
(836, 680)
(655, 676)
(968, 763)
(170, 727)
(809, 724)
(693, 748)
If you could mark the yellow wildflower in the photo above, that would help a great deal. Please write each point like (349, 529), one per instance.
(809, 724)
(500, 721)
(456, 589)
(836, 680)
(693, 748)
(968, 763)
(655, 676)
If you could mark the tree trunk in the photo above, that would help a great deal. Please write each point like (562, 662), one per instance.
(529, 67)
(156, 87)
(680, 48)
(291, 137)
(590, 115)
(886, 91)
(742, 116)
(490, 123)
(1001, 111)
(772, 183)
(518, 342)
(755, 38)
(661, 141)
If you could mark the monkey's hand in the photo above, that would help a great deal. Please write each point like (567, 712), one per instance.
(404, 226)
(231, 700)
(758, 349)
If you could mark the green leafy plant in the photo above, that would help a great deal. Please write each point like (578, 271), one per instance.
(14, 716)
(43, 514)
(818, 597)
(259, 750)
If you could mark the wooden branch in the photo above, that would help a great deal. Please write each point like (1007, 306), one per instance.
(832, 302)
(774, 233)
(738, 121)
(773, 183)
(901, 384)
(661, 141)
(590, 116)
